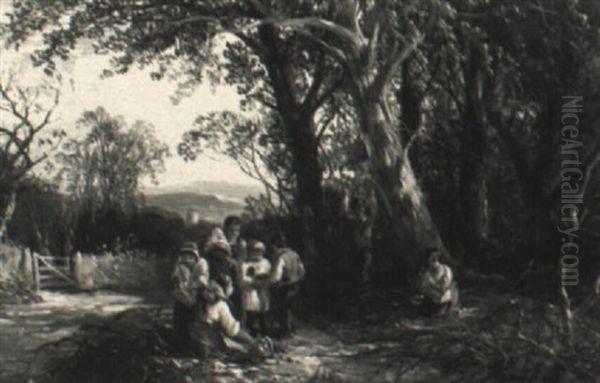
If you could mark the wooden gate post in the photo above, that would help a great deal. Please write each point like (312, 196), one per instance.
(26, 266)
(77, 268)
(36, 271)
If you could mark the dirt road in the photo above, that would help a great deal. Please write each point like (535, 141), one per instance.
(23, 328)
(312, 355)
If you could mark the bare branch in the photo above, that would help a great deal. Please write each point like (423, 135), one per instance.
(325, 125)
(373, 43)
(193, 19)
(19, 103)
(337, 30)
(14, 139)
(14, 108)
(412, 140)
(311, 94)
(391, 65)
(338, 54)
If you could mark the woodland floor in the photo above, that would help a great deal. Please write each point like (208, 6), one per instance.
(493, 339)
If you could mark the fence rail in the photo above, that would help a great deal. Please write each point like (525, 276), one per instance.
(52, 272)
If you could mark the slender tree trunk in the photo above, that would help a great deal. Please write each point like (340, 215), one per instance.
(472, 181)
(8, 201)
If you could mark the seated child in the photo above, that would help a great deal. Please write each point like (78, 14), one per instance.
(438, 287)
(254, 282)
(215, 329)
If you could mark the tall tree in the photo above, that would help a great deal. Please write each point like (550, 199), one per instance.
(105, 168)
(371, 41)
(26, 137)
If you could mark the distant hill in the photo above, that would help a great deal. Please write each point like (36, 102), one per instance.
(225, 191)
(192, 207)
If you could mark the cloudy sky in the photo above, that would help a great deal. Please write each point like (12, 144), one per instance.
(135, 96)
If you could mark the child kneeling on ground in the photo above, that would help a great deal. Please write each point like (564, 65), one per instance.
(440, 291)
(215, 330)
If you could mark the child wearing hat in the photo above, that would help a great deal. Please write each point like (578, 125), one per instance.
(255, 275)
(223, 268)
(189, 276)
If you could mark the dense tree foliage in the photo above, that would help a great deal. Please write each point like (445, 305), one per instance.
(102, 173)
(40, 219)
(105, 168)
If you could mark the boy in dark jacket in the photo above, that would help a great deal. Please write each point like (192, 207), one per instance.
(287, 273)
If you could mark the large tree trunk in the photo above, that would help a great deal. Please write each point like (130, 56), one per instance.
(472, 182)
(401, 195)
(8, 200)
(301, 139)
(307, 168)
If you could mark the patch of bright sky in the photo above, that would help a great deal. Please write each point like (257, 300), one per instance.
(136, 97)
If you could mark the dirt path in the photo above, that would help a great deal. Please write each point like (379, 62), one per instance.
(23, 328)
(318, 356)
(312, 355)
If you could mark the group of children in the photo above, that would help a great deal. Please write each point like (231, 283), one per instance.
(227, 292)
(233, 291)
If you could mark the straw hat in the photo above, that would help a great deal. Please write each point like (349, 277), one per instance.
(189, 248)
(217, 240)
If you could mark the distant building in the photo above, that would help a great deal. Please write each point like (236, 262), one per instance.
(192, 217)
